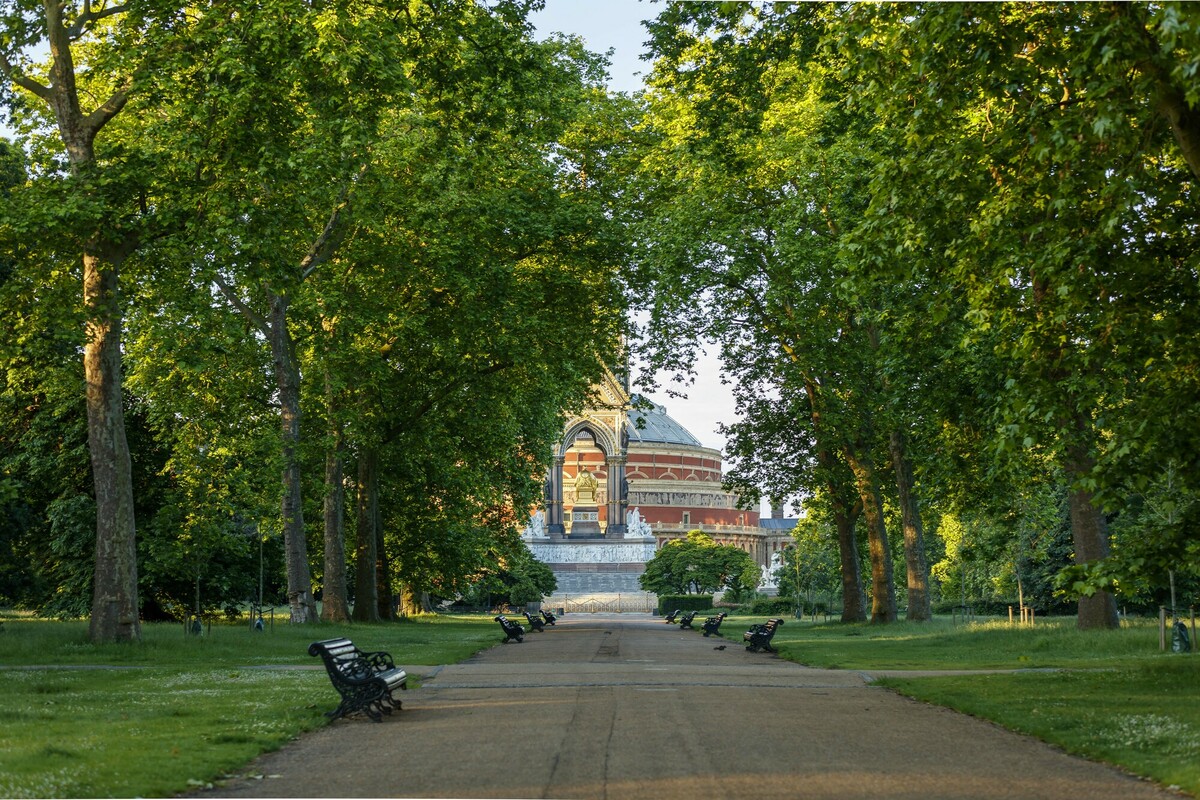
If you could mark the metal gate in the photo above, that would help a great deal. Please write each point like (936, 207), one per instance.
(620, 603)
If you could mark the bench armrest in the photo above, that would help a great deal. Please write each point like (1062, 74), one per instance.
(380, 660)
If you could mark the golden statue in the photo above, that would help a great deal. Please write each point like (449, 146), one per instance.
(585, 488)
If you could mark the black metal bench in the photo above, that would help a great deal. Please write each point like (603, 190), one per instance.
(759, 636)
(534, 622)
(686, 620)
(713, 624)
(670, 618)
(365, 681)
(548, 617)
(511, 629)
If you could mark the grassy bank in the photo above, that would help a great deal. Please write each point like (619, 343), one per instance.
(177, 711)
(1109, 696)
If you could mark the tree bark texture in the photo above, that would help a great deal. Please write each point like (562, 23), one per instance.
(114, 585)
(302, 605)
(383, 572)
(844, 516)
(334, 607)
(366, 597)
(916, 565)
(1089, 534)
(854, 604)
(883, 584)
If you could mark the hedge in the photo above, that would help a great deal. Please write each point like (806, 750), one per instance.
(684, 602)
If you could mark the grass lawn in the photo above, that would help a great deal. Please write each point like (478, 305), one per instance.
(1109, 696)
(178, 711)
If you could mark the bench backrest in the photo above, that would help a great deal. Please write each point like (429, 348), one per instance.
(341, 656)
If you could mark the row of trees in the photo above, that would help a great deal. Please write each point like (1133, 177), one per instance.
(325, 248)
(351, 263)
(946, 251)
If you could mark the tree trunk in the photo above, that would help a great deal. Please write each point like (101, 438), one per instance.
(410, 602)
(114, 585)
(366, 597)
(883, 585)
(1089, 533)
(334, 607)
(287, 378)
(854, 605)
(844, 516)
(383, 573)
(916, 565)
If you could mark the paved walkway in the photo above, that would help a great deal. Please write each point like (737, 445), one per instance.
(625, 707)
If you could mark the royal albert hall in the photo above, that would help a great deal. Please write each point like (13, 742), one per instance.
(626, 479)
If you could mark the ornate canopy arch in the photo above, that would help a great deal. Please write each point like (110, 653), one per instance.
(606, 438)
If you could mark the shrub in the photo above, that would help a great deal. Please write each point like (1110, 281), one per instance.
(684, 602)
(769, 606)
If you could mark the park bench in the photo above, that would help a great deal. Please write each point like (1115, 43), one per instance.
(365, 681)
(548, 617)
(670, 618)
(511, 629)
(534, 622)
(713, 624)
(686, 620)
(759, 636)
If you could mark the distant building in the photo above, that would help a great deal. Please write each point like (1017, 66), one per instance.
(627, 478)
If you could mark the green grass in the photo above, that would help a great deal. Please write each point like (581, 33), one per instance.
(1110, 696)
(176, 711)
(982, 645)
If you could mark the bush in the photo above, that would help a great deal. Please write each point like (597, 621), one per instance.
(997, 607)
(769, 606)
(684, 602)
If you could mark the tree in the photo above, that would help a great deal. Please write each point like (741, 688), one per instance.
(753, 178)
(697, 565)
(1059, 134)
(96, 56)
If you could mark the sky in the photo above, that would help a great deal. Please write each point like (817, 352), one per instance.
(616, 24)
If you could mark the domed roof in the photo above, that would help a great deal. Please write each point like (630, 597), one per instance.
(648, 422)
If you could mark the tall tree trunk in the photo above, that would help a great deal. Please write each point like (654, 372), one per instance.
(334, 607)
(1089, 534)
(854, 603)
(302, 605)
(114, 585)
(383, 573)
(883, 585)
(844, 515)
(916, 565)
(366, 596)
